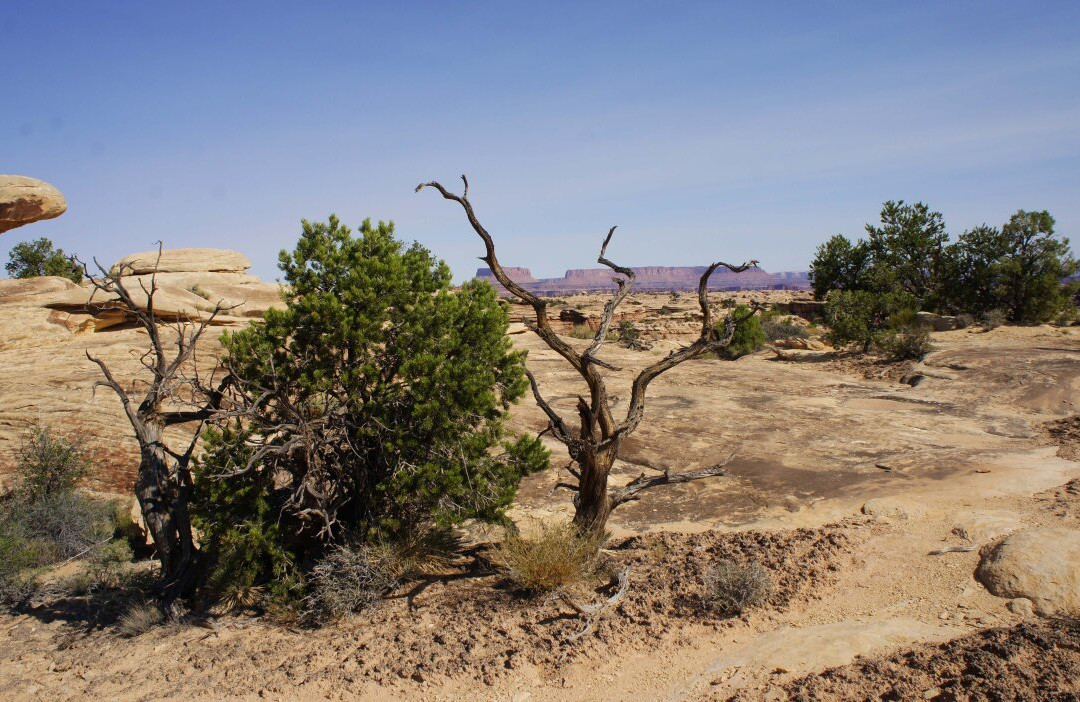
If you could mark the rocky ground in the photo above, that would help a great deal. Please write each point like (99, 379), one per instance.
(872, 502)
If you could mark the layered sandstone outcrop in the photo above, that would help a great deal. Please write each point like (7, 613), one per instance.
(50, 323)
(24, 200)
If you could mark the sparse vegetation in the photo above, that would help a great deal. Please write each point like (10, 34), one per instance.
(581, 331)
(46, 520)
(550, 557)
(731, 588)
(138, 619)
(776, 330)
(992, 319)
(47, 463)
(749, 336)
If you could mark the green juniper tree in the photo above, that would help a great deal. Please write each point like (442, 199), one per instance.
(370, 408)
(30, 259)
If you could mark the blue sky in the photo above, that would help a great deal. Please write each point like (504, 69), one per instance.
(705, 130)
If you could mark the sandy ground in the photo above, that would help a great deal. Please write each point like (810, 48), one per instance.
(964, 451)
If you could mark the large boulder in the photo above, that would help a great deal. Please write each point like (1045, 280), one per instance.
(938, 322)
(24, 200)
(1042, 565)
(182, 261)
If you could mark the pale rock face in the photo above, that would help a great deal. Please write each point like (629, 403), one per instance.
(183, 261)
(1042, 565)
(893, 508)
(24, 200)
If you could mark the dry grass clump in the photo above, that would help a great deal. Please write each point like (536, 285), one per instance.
(731, 589)
(350, 579)
(139, 619)
(552, 557)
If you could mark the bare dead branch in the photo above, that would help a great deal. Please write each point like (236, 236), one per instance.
(643, 482)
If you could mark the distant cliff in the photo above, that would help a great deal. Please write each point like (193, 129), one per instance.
(652, 278)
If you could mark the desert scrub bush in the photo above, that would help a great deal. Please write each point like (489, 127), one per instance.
(630, 336)
(350, 579)
(965, 320)
(776, 330)
(749, 336)
(552, 557)
(47, 463)
(857, 316)
(138, 619)
(107, 563)
(992, 319)
(905, 344)
(582, 331)
(731, 588)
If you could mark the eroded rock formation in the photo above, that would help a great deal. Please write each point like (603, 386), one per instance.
(24, 200)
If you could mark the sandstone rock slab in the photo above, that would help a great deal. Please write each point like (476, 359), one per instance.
(193, 260)
(24, 200)
(1042, 565)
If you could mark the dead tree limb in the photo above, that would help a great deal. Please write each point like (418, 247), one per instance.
(595, 445)
(163, 484)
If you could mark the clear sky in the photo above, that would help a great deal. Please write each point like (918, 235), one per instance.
(711, 130)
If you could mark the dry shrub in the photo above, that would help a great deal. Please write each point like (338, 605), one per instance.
(731, 589)
(138, 619)
(992, 319)
(553, 556)
(582, 331)
(350, 579)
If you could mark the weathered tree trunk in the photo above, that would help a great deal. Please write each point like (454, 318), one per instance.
(592, 504)
(163, 499)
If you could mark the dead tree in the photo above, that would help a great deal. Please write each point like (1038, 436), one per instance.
(594, 446)
(174, 396)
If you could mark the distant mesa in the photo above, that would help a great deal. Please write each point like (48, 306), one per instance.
(24, 200)
(651, 278)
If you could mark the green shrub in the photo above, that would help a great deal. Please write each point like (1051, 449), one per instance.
(731, 589)
(108, 562)
(387, 391)
(748, 338)
(47, 463)
(857, 316)
(555, 556)
(18, 555)
(29, 259)
(908, 343)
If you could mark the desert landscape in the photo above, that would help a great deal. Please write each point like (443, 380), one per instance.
(530, 352)
(870, 490)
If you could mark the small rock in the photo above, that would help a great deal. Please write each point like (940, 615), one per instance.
(891, 507)
(1042, 565)
(1021, 606)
